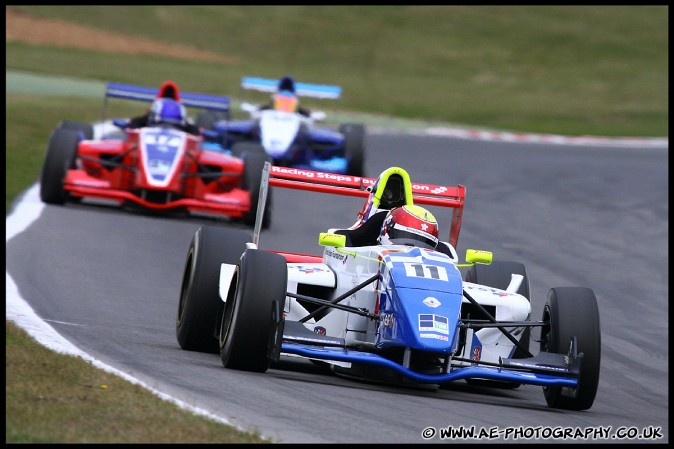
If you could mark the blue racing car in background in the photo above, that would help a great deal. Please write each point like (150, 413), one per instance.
(286, 132)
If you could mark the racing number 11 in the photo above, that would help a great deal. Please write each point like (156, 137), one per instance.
(426, 271)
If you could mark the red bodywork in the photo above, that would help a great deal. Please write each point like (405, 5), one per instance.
(199, 180)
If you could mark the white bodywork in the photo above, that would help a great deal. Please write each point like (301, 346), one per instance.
(344, 268)
(278, 130)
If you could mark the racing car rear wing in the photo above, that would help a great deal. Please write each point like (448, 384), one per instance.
(188, 99)
(301, 89)
(444, 196)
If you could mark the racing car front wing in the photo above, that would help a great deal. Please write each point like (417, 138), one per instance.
(546, 369)
(235, 203)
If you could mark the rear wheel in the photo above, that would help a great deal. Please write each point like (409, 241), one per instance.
(208, 119)
(354, 148)
(61, 154)
(196, 324)
(252, 178)
(498, 275)
(251, 328)
(573, 312)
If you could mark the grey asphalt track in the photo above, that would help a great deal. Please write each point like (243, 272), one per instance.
(109, 280)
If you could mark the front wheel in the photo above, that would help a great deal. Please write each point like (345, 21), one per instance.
(86, 130)
(61, 154)
(252, 323)
(196, 323)
(573, 312)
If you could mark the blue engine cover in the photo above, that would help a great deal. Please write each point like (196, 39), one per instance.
(421, 302)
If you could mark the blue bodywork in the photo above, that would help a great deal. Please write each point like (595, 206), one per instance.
(319, 149)
(420, 310)
(421, 302)
(468, 372)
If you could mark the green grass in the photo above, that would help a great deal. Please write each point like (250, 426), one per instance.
(83, 404)
(577, 70)
(562, 70)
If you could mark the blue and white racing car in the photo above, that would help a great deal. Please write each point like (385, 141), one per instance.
(287, 132)
(402, 311)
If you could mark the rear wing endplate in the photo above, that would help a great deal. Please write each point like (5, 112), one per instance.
(323, 91)
(292, 178)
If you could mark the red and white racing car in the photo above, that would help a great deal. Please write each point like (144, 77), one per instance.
(156, 167)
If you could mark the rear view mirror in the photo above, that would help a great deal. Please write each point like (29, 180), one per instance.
(328, 239)
(478, 256)
(248, 107)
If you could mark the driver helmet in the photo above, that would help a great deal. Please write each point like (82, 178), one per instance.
(285, 100)
(286, 83)
(169, 89)
(167, 112)
(409, 225)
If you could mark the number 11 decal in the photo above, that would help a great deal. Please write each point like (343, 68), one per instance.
(421, 270)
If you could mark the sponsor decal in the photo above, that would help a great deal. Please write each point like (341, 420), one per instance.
(368, 182)
(333, 177)
(432, 302)
(314, 174)
(320, 330)
(336, 255)
(476, 353)
(534, 366)
(436, 336)
(421, 233)
(387, 319)
(292, 171)
(309, 270)
(422, 188)
(433, 323)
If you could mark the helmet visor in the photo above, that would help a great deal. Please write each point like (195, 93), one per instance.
(285, 103)
(403, 235)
